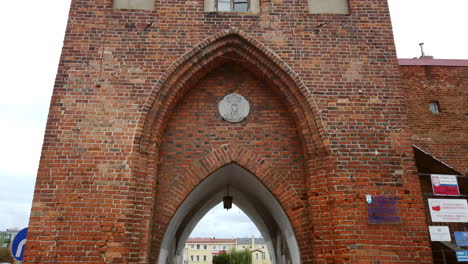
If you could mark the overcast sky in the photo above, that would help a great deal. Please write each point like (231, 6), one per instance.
(31, 40)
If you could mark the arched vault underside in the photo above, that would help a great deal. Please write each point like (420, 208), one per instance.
(251, 196)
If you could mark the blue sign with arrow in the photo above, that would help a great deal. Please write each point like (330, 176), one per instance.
(19, 243)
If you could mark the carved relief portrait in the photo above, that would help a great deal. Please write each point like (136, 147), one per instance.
(234, 108)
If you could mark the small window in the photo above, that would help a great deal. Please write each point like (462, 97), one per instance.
(233, 5)
(191, 258)
(214, 247)
(204, 258)
(256, 255)
(198, 246)
(263, 255)
(204, 246)
(198, 258)
(434, 107)
(191, 246)
(252, 6)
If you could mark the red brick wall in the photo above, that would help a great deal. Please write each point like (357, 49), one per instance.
(195, 129)
(444, 135)
(125, 76)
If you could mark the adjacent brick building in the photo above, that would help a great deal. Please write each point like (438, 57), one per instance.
(134, 130)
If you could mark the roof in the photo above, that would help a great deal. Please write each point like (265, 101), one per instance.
(248, 241)
(207, 240)
(428, 164)
(432, 62)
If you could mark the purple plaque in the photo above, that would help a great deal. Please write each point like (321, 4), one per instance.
(383, 210)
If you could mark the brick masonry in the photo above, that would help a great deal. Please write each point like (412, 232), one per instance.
(444, 135)
(133, 127)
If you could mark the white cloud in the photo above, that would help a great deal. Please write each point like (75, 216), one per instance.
(32, 36)
(221, 223)
(21, 143)
(15, 200)
(440, 25)
(34, 32)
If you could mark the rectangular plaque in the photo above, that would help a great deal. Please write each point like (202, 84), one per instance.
(383, 210)
(445, 185)
(462, 255)
(448, 210)
(461, 238)
(440, 233)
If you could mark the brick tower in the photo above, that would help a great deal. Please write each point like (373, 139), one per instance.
(135, 138)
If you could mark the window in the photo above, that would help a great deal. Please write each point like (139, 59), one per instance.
(214, 247)
(224, 247)
(243, 246)
(233, 5)
(191, 246)
(434, 107)
(198, 246)
(256, 255)
(252, 6)
(204, 246)
(198, 258)
(191, 258)
(263, 255)
(204, 258)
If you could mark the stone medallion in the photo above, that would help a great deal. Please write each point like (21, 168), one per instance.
(234, 108)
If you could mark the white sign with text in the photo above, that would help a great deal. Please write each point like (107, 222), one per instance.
(440, 233)
(448, 210)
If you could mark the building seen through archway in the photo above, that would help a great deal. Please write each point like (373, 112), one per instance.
(253, 198)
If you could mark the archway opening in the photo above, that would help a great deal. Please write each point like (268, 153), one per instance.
(251, 196)
(224, 233)
(225, 223)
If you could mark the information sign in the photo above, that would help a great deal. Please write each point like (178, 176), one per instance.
(382, 210)
(448, 210)
(439, 233)
(462, 255)
(445, 185)
(461, 238)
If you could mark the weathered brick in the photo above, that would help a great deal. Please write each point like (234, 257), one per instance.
(133, 128)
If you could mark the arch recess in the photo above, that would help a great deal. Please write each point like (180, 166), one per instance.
(251, 196)
(229, 46)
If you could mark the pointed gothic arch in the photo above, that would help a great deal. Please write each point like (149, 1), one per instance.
(226, 47)
(234, 45)
(251, 196)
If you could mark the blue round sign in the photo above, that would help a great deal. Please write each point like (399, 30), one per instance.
(19, 243)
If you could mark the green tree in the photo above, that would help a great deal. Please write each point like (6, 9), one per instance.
(240, 257)
(234, 257)
(5, 255)
(221, 259)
